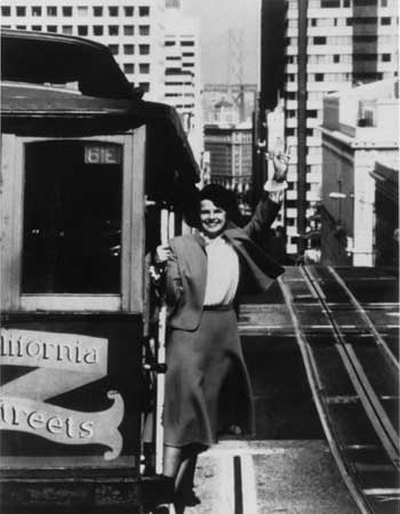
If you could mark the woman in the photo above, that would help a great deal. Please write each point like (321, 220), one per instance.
(207, 388)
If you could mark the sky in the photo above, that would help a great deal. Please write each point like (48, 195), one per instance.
(217, 18)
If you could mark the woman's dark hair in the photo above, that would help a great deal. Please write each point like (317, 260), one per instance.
(224, 199)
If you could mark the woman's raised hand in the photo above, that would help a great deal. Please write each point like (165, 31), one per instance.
(280, 161)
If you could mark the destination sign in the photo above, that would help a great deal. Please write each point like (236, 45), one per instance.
(103, 153)
(60, 363)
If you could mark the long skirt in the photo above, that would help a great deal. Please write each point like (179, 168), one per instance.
(207, 388)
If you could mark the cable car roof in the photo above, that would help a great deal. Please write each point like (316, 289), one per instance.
(104, 102)
(37, 57)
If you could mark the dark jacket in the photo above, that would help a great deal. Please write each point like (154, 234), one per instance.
(187, 268)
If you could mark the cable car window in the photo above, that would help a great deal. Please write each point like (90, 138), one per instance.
(73, 218)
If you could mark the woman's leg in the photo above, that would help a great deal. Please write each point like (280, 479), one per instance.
(184, 482)
(171, 461)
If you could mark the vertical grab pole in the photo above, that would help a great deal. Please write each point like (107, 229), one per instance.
(161, 356)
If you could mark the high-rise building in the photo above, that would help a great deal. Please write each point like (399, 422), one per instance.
(182, 80)
(328, 45)
(130, 29)
(154, 44)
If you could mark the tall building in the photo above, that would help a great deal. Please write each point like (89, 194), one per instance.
(129, 29)
(229, 148)
(328, 45)
(182, 79)
(155, 46)
(360, 144)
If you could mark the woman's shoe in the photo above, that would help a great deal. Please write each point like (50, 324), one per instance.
(188, 498)
(161, 509)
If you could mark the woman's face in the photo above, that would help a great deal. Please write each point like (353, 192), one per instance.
(212, 219)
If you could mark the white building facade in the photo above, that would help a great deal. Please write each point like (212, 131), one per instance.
(348, 42)
(182, 78)
(133, 30)
(360, 127)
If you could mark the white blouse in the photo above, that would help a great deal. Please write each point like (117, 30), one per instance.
(222, 272)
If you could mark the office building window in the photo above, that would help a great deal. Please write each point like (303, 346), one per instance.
(129, 30)
(36, 11)
(144, 67)
(144, 30)
(37, 28)
(312, 113)
(319, 77)
(129, 67)
(346, 3)
(336, 58)
(145, 86)
(291, 77)
(364, 3)
(67, 11)
(51, 10)
(21, 27)
(319, 40)
(98, 30)
(97, 11)
(330, 4)
(83, 30)
(51, 28)
(114, 49)
(386, 57)
(113, 30)
(386, 21)
(21, 11)
(313, 22)
(5, 10)
(187, 43)
(291, 95)
(144, 11)
(129, 49)
(67, 29)
(169, 43)
(128, 11)
(113, 11)
(83, 11)
(291, 114)
(365, 39)
(144, 49)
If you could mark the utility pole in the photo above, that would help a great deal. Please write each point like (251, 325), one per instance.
(302, 125)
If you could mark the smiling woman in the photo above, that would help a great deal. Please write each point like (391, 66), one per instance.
(207, 387)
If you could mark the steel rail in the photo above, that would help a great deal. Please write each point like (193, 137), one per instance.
(317, 393)
(369, 399)
(361, 311)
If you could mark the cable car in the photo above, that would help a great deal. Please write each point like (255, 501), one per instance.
(87, 169)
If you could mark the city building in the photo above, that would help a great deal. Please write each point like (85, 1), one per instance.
(328, 45)
(387, 236)
(154, 44)
(240, 97)
(359, 134)
(229, 152)
(182, 75)
(129, 29)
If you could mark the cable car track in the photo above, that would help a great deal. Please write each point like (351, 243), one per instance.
(354, 409)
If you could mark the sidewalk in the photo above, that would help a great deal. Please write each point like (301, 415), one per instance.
(270, 477)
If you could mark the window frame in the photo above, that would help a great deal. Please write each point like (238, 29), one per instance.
(130, 298)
